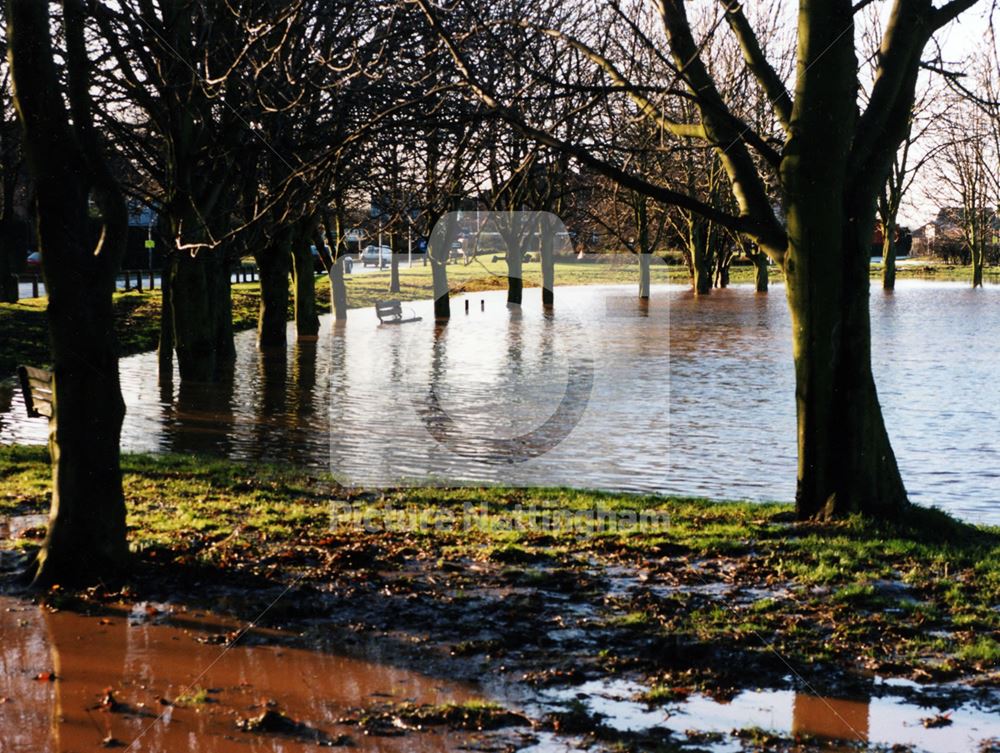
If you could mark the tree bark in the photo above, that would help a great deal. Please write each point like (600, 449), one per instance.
(889, 257)
(645, 259)
(201, 314)
(306, 317)
(273, 263)
(165, 348)
(701, 263)
(9, 292)
(760, 272)
(393, 265)
(515, 280)
(548, 262)
(978, 255)
(846, 463)
(335, 240)
(443, 234)
(86, 539)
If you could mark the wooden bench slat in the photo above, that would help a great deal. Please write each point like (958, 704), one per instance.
(36, 386)
(39, 375)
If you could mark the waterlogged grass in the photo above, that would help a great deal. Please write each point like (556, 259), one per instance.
(739, 580)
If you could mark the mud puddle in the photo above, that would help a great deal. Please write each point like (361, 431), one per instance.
(155, 678)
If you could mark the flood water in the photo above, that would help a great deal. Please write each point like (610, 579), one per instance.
(683, 396)
(888, 717)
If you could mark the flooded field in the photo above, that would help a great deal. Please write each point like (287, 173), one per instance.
(682, 396)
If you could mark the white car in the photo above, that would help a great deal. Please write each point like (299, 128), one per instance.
(370, 255)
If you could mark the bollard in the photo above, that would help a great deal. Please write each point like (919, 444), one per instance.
(466, 305)
(125, 275)
(152, 279)
(482, 304)
(138, 280)
(34, 286)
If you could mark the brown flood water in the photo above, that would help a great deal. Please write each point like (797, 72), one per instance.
(144, 657)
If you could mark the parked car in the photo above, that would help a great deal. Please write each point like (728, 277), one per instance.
(34, 262)
(319, 266)
(371, 255)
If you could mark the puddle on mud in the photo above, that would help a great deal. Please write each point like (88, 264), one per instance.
(883, 721)
(16, 526)
(149, 652)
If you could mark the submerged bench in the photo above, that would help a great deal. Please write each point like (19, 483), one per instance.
(36, 386)
(391, 312)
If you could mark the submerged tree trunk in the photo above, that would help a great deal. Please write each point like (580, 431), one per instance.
(443, 234)
(165, 347)
(760, 272)
(978, 254)
(889, 257)
(273, 264)
(645, 259)
(306, 317)
(201, 314)
(547, 258)
(701, 262)
(86, 539)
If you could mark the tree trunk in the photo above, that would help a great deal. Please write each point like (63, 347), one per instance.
(334, 234)
(760, 272)
(9, 250)
(846, 463)
(645, 259)
(443, 234)
(889, 257)
(201, 313)
(701, 263)
(165, 348)
(393, 265)
(547, 258)
(86, 539)
(515, 280)
(977, 264)
(306, 318)
(273, 264)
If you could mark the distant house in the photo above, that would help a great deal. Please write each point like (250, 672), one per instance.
(944, 236)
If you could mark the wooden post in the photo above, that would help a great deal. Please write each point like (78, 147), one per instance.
(138, 280)
(34, 286)
(152, 279)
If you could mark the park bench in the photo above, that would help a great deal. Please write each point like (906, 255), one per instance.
(36, 385)
(391, 312)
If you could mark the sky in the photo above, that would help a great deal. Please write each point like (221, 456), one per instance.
(957, 40)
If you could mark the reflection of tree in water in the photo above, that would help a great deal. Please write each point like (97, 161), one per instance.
(201, 417)
(830, 718)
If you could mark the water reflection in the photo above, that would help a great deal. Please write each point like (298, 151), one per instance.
(689, 395)
(830, 718)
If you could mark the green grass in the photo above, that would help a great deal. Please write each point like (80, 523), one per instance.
(834, 592)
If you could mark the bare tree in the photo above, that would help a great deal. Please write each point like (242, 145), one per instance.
(834, 160)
